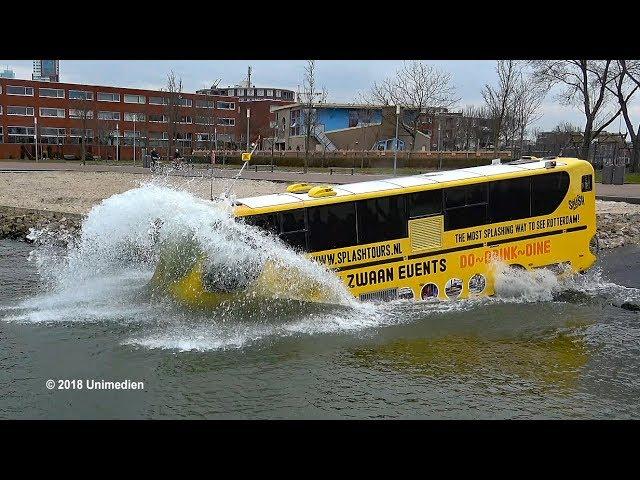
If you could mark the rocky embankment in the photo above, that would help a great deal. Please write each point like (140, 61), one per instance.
(16, 223)
(618, 224)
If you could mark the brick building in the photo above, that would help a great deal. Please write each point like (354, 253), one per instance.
(260, 101)
(111, 117)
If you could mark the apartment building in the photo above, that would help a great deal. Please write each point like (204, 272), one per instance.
(109, 120)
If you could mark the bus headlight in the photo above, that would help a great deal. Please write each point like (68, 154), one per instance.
(594, 245)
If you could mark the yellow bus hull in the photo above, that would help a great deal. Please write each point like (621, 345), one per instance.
(433, 262)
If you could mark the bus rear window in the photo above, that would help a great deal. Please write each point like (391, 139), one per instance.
(547, 192)
(332, 226)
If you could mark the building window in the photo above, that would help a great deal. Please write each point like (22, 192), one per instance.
(51, 136)
(51, 92)
(158, 118)
(204, 120)
(80, 95)
(0, 109)
(250, 92)
(21, 111)
(138, 117)
(20, 134)
(226, 105)
(141, 99)
(229, 122)
(109, 115)
(22, 91)
(183, 139)
(108, 97)
(77, 132)
(185, 119)
(129, 136)
(158, 139)
(185, 102)
(52, 112)
(1, 133)
(158, 101)
(76, 136)
(205, 104)
(260, 92)
(269, 93)
(79, 113)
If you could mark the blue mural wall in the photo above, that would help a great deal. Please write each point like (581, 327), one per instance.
(338, 118)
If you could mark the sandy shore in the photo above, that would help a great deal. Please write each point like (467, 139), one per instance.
(77, 192)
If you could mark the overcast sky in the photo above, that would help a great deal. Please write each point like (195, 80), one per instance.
(343, 79)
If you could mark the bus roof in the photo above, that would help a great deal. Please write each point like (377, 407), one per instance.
(395, 183)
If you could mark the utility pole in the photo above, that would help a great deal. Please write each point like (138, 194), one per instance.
(395, 143)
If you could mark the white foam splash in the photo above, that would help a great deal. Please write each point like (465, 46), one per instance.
(103, 275)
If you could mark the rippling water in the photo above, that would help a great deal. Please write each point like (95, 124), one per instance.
(541, 349)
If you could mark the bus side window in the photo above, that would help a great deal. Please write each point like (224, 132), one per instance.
(382, 219)
(265, 221)
(547, 192)
(294, 228)
(465, 206)
(293, 220)
(509, 199)
(332, 226)
(425, 203)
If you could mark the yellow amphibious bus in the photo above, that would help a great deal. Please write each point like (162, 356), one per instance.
(436, 235)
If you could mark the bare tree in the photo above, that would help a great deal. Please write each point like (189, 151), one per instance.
(474, 129)
(585, 84)
(84, 113)
(499, 99)
(207, 116)
(418, 88)
(172, 108)
(626, 84)
(310, 95)
(527, 100)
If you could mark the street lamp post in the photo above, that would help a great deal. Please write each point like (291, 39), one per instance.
(35, 134)
(248, 116)
(117, 142)
(395, 143)
(275, 137)
(135, 115)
